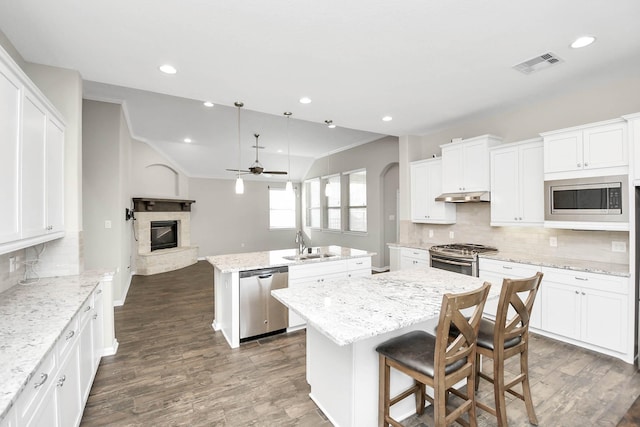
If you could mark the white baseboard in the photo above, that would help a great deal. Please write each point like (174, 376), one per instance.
(113, 349)
(380, 269)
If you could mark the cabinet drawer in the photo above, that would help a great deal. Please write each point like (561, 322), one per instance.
(68, 338)
(37, 387)
(359, 263)
(317, 269)
(415, 253)
(600, 282)
(508, 269)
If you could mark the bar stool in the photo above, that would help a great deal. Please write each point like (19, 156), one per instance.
(436, 361)
(508, 336)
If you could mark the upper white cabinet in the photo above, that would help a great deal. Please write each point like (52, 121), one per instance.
(32, 163)
(633, 126)
(465, 164)
(426, 185)
(596, 149)
(517, 184)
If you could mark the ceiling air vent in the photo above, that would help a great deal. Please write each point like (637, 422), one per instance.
(538, 63)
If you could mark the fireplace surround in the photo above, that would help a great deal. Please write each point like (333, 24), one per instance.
(159, 260)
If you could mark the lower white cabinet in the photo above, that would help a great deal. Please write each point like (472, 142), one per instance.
(301, 275)
(495, 271)
(591, 308)
(59, 389)
(412, 258)
(586, 309)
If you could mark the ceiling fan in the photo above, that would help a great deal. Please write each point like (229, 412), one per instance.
(256, 168)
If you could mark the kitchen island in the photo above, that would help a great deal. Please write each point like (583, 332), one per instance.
(227, 268)
(346, 321)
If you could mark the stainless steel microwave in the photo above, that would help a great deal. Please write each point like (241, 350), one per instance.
(598, 199)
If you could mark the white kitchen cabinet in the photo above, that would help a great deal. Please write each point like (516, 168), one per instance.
(585, 151)
(633, 128)
(359, 267)
(10, 419)
(86, 360)
(465, 164)
(517, 184)
(10, 98)
(32, 165)
(36, 404)
(68, 394)
(395, 255)
(495, 271)
(426, 185)
(587, 308)
(412, 258)
(97, 324)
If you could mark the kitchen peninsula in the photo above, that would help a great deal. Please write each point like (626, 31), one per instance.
(346, 321)
(326, 262)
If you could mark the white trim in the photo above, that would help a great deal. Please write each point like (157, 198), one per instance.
(120, 302)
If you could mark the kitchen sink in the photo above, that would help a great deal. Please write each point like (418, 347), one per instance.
(304, 257)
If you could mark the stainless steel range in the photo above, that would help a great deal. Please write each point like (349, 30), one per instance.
(458, 257)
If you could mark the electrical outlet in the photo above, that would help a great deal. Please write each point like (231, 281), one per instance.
(12, 264)
(452, 235)
(618, 247)
(553, 241)
(430, 233)
(107, 224)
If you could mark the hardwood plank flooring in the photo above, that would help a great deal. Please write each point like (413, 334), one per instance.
(173, 369)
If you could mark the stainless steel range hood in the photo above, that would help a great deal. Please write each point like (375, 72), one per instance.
(470, 197)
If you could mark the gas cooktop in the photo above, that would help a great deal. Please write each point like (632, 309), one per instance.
(462, 249)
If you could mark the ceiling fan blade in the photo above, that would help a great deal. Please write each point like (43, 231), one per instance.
(238, 170)
(275, 172)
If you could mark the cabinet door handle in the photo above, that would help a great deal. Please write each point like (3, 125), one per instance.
(43, 379)
(584, 279)
(62, 380)
(506, 267)
(577, 293)
(87, 309)
(70, 335)
(579, 164)
(586, 165)
(99, 291)
(583, 293)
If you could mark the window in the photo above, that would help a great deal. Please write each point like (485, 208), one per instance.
(282, 208)
(312, 202)
(358, 201)
(332, 193)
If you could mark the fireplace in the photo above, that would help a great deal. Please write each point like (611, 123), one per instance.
(164, 235)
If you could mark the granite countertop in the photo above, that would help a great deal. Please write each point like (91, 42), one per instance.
(347, 311)
(610, 268)
(267, 259)
(32, 318)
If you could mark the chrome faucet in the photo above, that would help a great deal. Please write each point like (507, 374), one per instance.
(300, 241)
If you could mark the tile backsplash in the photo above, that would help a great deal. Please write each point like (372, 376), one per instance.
(9, 279)
(472, 226)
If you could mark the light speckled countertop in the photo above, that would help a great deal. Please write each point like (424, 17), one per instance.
(544, 260)
(267, 259)
(347, 311)
(32, 317)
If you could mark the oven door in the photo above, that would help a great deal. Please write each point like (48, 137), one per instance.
(456, 265)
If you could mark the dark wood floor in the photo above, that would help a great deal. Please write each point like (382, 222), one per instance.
(173, 369)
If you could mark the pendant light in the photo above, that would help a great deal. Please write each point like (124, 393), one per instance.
(289, 187)
(239, 181)
(327, 186)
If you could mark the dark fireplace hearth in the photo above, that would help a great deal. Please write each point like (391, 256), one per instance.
(164, 235)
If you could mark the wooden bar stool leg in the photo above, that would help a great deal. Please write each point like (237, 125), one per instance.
(477, 372)
(420, 400)
(499, 390)
(440, 407)
(383, 395)
(526, 390)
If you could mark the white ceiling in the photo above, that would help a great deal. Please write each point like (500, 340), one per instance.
(426, 63)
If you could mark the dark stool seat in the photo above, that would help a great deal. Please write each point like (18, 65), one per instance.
(486, 333)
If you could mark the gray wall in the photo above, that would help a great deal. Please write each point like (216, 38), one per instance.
(106, 157)
(225, 222)
(376, 157)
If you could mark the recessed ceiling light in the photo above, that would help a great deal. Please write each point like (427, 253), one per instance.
(187, 140)
(583, 41)
(168, 69)
(387, 118)
(305, 100)
(208, 104)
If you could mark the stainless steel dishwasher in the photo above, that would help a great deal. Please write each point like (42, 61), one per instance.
(260, 313)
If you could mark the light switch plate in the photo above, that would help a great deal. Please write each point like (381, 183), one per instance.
(452, 235)
(107, 224)
(553, 241)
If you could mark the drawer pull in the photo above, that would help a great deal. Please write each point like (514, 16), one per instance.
(95, 316)
(43, 379)
(62, 380)
(359, 263)
(70, 335)
(584, 279)
(99, 291)
(87, 309)
(506, 267)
